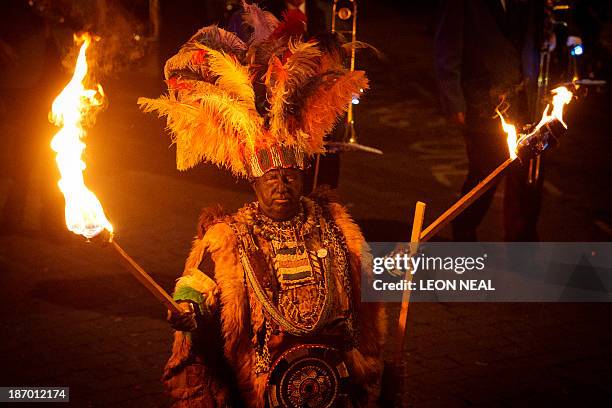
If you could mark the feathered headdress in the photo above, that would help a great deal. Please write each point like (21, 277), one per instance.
(255, 105)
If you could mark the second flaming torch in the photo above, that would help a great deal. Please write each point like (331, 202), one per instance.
(521, 148)
(74, 107)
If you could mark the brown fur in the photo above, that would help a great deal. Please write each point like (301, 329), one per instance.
(220, 240)
(366, 361)
(209, 217)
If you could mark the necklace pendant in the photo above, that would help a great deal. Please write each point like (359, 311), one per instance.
(322, 253)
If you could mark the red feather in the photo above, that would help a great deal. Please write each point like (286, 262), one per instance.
(176, 84)
(199, 57)
(293, 25)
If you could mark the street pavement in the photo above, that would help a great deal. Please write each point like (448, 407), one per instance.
(72, 316)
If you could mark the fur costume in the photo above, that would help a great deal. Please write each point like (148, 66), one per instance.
(189, 375)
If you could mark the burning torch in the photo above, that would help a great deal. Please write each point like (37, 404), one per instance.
(522, 147)
(85, 216)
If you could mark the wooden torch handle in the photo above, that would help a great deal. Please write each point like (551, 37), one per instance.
(464, 202)
(417, 225)
(146, 279)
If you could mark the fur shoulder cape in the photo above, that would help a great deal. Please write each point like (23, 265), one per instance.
(187, 375)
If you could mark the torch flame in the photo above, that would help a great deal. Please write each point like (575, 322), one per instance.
(512, 139)
(561, 97)
(84, 213)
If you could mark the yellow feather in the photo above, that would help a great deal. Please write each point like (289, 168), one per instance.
(303, 62)
(214, 130)
(233, 77)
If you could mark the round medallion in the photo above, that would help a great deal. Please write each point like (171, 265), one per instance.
(310, 375)
(322, 253)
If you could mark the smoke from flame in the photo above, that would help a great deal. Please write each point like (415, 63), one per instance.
(561, 97)
(70, 110)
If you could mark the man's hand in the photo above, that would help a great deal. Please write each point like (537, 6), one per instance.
(186, 320)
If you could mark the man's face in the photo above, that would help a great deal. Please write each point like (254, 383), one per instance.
(278, 192)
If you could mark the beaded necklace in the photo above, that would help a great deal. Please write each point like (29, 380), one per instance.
(290, 234)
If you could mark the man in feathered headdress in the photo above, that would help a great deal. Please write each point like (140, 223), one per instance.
(271, 294)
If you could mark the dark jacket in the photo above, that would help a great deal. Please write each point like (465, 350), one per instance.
(483, 52)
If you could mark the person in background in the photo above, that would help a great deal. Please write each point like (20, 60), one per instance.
(486, 56)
